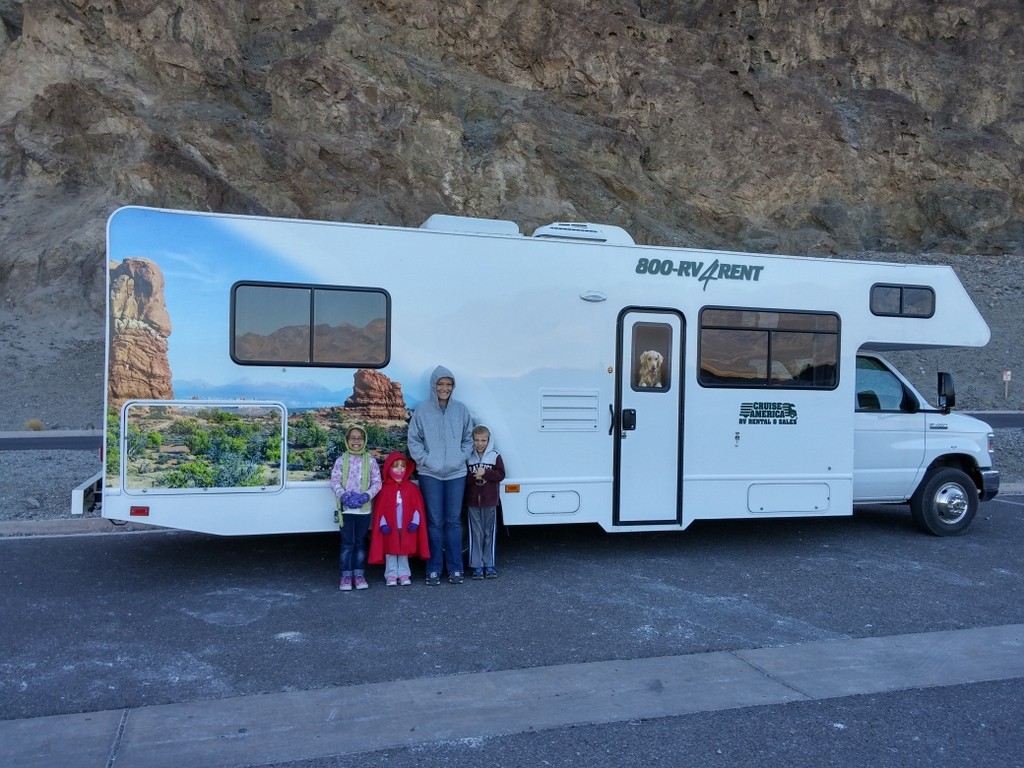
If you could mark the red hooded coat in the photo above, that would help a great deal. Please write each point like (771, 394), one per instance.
(400, 541)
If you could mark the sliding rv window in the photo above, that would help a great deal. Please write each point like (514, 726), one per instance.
(902, 301)
(768, 348)
(307, 325)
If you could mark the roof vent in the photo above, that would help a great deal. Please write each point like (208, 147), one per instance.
(595, 233)
(440, 222)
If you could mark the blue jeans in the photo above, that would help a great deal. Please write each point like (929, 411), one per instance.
(443, 499)
(353, 544)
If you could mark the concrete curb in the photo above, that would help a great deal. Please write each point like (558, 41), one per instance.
(311, 725)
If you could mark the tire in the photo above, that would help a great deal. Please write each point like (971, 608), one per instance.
(945, 503)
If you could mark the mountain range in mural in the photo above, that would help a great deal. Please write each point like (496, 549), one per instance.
(330, 343)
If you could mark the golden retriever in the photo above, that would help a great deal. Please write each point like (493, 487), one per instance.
(650, 369)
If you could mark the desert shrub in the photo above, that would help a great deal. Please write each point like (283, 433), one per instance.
(112, 453)
(306, 433)
(198, 442)
(191, 474)
(235, 471)
(135, 441)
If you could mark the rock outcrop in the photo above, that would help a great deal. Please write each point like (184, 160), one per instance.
(140, 325)
(376, 397)
(788, 126)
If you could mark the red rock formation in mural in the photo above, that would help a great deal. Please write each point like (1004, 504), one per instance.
(375, 396)
(140, 325)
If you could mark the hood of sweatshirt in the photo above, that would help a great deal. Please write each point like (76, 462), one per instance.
(490, 454)
(440, 373)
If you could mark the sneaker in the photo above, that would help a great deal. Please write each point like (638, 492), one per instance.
(433, 579)
(490, 573)
(346, 584)
(404, 581)
(478, 573)
(361, 583)
(390, 581)
(455, 577)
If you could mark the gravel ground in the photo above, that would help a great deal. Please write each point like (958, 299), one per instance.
(53, 373)
(54, 376)
(37, 485)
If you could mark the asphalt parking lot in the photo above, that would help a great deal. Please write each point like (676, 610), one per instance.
(110, 631)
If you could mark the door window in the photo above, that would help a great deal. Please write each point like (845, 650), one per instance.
(652, 357)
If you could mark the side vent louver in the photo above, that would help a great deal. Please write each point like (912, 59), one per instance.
(568, 410)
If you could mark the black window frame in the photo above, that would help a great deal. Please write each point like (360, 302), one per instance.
(903, 303)
(311, 362)
(769, 382)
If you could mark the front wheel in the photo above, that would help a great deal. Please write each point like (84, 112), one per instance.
(945, 503)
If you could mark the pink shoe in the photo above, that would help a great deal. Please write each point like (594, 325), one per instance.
(390, 581)
(361, 583)
(346, 584)
(405, 581)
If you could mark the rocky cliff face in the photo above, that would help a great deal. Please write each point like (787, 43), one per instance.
(791, 126)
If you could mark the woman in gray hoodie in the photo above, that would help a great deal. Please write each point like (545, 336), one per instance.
(440, 437)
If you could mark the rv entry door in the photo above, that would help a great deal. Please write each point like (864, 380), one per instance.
(647, 427)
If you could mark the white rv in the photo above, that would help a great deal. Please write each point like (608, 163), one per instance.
(640, 388)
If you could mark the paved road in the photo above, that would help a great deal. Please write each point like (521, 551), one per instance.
(69, 440)
(801, 642)
(1001, 419)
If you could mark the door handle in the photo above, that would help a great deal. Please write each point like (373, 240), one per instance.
(628, 419)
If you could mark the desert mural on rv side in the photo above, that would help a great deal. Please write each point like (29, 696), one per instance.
(204, 442)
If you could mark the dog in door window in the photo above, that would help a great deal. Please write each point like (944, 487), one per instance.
(649, 374)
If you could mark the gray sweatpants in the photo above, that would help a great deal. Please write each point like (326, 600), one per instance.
(483, 522)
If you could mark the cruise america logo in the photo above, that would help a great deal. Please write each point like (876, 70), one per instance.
(767, 413)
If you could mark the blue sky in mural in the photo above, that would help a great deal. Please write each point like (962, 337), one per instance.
(201, 257)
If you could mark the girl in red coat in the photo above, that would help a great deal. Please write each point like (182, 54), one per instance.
(398, 528)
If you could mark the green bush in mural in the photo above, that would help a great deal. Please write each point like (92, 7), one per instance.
(306, 433)
(191, 474)
(112, 454)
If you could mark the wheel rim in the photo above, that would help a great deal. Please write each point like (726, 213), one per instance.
(951, 504)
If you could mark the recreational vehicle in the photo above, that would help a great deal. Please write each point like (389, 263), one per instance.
(636, 387)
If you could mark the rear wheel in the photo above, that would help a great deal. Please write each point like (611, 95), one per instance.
(945, 503)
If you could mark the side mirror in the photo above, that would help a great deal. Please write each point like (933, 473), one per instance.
(947, 394)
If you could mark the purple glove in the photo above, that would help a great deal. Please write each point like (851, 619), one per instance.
(363, 498)
(385, 529)
(351, 500)
(413, 527)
